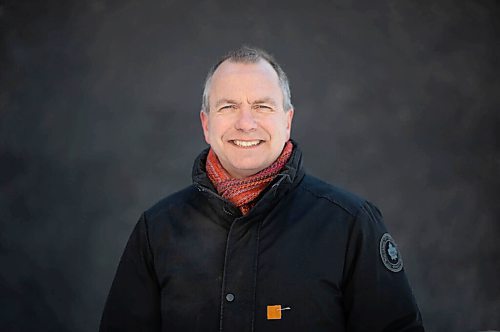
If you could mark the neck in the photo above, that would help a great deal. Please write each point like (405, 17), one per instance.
(243, 191)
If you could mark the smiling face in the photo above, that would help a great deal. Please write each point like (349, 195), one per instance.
(246, 124)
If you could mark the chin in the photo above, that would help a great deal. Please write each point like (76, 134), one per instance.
(252, 170)
(248, 163)
(246, 168)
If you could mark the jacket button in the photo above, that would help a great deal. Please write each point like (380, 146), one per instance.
(230, 297)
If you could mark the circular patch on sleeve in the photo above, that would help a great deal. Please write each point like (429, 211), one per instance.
(389, 254)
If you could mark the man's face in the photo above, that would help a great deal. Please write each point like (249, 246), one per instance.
(246, 124)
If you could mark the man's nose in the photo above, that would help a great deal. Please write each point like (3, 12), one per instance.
(246, 120)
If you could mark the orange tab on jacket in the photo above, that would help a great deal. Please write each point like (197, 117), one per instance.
(274, 312)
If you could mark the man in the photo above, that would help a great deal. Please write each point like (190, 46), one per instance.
(255, 244)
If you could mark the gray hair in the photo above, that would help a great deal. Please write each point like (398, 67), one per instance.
(247, 54)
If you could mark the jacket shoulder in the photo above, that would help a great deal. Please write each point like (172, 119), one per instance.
(344, 199)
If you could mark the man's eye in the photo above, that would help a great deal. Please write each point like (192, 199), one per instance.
(227, 107)
(263, 107)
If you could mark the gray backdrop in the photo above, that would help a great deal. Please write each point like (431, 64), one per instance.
(397, 101)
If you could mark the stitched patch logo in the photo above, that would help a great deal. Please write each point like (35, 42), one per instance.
(274, 311)
(389, 254)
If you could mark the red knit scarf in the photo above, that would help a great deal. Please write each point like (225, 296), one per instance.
(242, 192)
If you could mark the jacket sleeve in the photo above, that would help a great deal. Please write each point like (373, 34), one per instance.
(133, 303)
(377, 296)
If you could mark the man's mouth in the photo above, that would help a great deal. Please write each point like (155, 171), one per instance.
(246, 144)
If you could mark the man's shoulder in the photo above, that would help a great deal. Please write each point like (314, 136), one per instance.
(172, 201)
(348, 201)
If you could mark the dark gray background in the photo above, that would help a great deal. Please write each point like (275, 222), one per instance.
(397, 101)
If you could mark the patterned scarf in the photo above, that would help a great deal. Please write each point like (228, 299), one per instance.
(242, 192)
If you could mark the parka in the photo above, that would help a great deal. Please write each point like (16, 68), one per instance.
(307, 257)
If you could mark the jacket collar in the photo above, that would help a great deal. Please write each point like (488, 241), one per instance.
(290, 176)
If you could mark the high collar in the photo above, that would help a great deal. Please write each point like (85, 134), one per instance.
(291, 174)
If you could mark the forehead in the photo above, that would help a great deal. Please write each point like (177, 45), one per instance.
(231, 79)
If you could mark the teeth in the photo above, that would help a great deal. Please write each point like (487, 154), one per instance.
(246, 144)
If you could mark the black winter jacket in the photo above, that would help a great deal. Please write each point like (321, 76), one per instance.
(194, 263)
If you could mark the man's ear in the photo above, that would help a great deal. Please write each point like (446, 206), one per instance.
(204, 125)
(289, 118)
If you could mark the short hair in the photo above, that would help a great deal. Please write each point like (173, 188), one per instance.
(246, 54)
